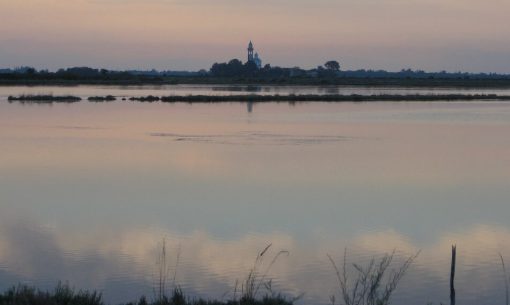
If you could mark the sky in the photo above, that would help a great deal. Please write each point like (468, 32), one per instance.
(432, 35)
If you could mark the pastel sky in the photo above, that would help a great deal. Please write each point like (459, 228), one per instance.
(467, 35)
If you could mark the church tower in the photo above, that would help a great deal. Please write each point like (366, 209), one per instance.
(250, 51)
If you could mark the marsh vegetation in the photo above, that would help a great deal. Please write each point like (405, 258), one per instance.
(269, 98)
(107, 98)
(371, 283)
(44, 98)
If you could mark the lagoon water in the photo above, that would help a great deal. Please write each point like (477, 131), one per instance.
(88, 191)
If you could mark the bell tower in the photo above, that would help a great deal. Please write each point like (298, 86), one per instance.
(250, 51)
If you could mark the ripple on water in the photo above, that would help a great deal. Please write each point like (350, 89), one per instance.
(255, 138)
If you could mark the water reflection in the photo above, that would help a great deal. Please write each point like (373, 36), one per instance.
(88, 191)
(240, 88)
(164, 90)
(117, 258)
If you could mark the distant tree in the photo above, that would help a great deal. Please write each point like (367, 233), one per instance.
(332, 65)
(234, 68)
(235, 62)
(250, 68)
(81, 71)
(218, 69)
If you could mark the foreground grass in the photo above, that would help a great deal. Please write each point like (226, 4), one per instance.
(62, 295)
(65, 295)
(372, 284)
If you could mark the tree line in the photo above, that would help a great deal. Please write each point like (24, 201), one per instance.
(235, 71)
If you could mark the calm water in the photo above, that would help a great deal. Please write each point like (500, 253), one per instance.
(88, 191)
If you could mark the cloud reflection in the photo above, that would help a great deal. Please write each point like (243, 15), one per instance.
(115, 260)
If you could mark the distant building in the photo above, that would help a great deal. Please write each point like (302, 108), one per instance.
(254, 57)
(250, 51)
(257, 60)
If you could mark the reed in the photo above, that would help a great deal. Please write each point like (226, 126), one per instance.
(256, 279)
(163, 272)
(372, 284)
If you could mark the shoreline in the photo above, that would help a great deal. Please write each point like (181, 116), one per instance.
(499, 83)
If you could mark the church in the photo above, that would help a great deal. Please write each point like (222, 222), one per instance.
(254, 58)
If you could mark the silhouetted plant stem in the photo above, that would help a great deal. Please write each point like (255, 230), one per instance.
(369, 287)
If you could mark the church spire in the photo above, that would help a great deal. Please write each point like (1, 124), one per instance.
(250, 51)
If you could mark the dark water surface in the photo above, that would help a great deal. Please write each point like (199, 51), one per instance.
(88, 191)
